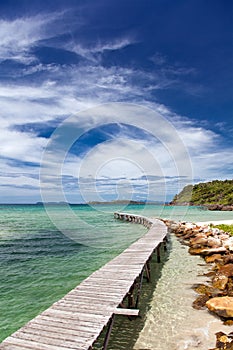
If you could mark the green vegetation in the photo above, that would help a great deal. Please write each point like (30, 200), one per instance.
(206, 193)
(226, 228)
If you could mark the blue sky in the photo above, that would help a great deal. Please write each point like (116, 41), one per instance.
(59, 58)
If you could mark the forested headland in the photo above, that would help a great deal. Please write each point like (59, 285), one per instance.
(215, 195)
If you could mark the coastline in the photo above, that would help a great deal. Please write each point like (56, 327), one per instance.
(172, 321)
(215, 222)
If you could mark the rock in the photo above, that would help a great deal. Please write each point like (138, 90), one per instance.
(206, 251)
(220, 280)
(214, 242)
(190, 234)
(209, 274)
(213, 258)
(216, 231)
(214, 207)
(220, 207)
(198, 241)
(210, 251)
(227, 208)
(226, 270)
(223, 236)
(200, 302)
(210, 291)
(174, 227)
(222, 306)
(229, 244)
(195, 251)
(224, 341)
(230, 287)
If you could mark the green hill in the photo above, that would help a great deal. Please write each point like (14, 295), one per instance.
(212, 193)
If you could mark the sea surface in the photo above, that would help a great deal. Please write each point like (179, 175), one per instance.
(39, 263)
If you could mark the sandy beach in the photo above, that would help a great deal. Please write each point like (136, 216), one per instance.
(217, 222)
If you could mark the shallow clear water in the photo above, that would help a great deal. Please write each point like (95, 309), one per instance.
(38, 264)
(171, 322)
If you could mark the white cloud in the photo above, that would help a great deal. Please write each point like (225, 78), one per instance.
(67, 90)
(94, 52)
(21, 146)
(18, 36)
(159, 59)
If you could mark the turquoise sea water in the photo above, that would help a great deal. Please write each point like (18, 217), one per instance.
(39, 264)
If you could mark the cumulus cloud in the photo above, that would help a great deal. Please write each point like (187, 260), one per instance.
(22, 146)
(48, 93)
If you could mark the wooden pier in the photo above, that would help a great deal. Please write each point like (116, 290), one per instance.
(76, 321)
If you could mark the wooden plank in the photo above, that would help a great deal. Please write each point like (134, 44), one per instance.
(5, 346)
(63, 322)
(44, 340)
(91, 295)
(88, 327)
(94, 300)
(126, 312)
(79, 316)
(51, 335)
(91, 302)
(32, 345)
(85, 309)
(114, 282)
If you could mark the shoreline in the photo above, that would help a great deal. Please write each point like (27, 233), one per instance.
(172, 322)
(197, 327)
(215, 222)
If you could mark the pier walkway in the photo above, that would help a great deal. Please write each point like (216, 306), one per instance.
(76, 321)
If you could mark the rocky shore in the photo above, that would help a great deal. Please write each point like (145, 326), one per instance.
(220, 207)
(216, 248)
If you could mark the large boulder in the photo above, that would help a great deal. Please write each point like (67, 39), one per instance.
(214, 242)
(207, 251)
(198, 241)
(221, 278)
(213, 258)
(229, 244)
(222, 306)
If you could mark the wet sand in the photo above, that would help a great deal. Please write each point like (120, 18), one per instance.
(172, 323)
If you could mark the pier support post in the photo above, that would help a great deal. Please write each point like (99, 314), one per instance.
(139, 288)
(109, 330)
(147, 269)
(131, 297)
(158, 254)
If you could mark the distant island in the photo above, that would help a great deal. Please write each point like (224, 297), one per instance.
(114, 202)
(123, 201)
(214, 195)
(126, 202)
